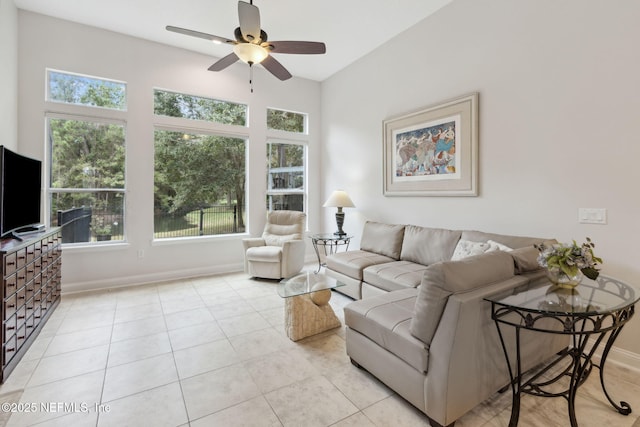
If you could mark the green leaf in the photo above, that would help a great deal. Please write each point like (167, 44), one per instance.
(591, 273)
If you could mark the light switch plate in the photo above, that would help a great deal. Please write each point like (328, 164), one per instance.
(592, 215)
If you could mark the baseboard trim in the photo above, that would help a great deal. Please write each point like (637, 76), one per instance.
(619, 356)
(165, 276)
(145, 279)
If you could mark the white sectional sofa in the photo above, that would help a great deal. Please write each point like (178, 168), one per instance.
(422, 325)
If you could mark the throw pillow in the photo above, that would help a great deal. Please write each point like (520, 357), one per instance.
(495, 246)
(467, 248)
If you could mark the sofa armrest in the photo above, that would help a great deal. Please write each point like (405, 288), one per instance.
(292, 257)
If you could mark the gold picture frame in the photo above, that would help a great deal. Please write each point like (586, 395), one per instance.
(433, 151)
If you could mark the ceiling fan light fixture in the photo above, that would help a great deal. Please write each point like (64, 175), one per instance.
(250, 53)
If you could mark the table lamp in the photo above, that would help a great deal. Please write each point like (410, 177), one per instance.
(339, 199)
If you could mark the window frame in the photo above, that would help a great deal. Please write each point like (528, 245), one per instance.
(81, 112)
(197, 123)
(305, 123)
(305, 169)
(50, 191)
(203, 127)
(105, 110)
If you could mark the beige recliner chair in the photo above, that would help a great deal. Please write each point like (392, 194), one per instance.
(279, 253)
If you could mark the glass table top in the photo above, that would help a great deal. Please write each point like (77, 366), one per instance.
(330, 236)
(600, 296)
(305, 283)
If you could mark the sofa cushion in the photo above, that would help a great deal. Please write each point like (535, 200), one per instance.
(264, 254)
(445, 278)
(427, 246)
(385, 320)
(395, 275)
(526, 259)
(383, 239)
(352, 263)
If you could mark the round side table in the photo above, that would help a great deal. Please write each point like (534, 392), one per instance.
(329, 244)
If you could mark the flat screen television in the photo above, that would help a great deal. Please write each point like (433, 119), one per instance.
(20, 193)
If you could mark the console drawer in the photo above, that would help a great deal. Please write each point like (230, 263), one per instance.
(9, 307)
(10, 325)
(11, 285)
(10, 263)
(9, 349)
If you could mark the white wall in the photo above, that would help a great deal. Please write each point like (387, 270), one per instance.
(48, 42)
(9, 74)
(559, 105)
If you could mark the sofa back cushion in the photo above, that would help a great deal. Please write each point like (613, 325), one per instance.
(428, 246)
(445, 278)
(383, 239)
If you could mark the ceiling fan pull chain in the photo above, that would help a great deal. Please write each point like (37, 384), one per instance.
(251, 77)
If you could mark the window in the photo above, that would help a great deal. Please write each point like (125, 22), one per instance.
(83, 90)
(200, 174)
(190, 107)
(285, 176)
(286, 160)
(286, 120)
(86, 183)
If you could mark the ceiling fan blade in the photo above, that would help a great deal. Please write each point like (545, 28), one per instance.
(198, 34)
(249, 16)
(276, 68)
(223, 63)
(298, 47)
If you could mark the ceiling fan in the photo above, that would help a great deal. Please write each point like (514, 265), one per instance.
(251, 45)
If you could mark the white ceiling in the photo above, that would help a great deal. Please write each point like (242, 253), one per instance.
(349, 28)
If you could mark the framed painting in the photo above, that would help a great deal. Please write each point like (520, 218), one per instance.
(433, 151)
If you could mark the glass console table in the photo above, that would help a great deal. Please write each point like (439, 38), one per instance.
(592, 313)
(306, 310)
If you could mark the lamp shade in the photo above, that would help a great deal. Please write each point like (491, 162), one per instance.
(339, 199)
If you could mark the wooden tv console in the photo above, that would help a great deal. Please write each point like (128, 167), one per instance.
(30, 291)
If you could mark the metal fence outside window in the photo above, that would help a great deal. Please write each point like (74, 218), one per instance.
(220, 219)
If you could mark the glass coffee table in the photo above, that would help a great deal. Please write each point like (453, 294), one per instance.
(306, 310)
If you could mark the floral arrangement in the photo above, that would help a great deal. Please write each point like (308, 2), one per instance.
(570, 258)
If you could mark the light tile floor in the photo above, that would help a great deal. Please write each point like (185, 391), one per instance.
(212, 352)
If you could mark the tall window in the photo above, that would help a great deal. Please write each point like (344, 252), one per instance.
(200, 174)
(86, 183)
(286, 160)
(285, 182)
